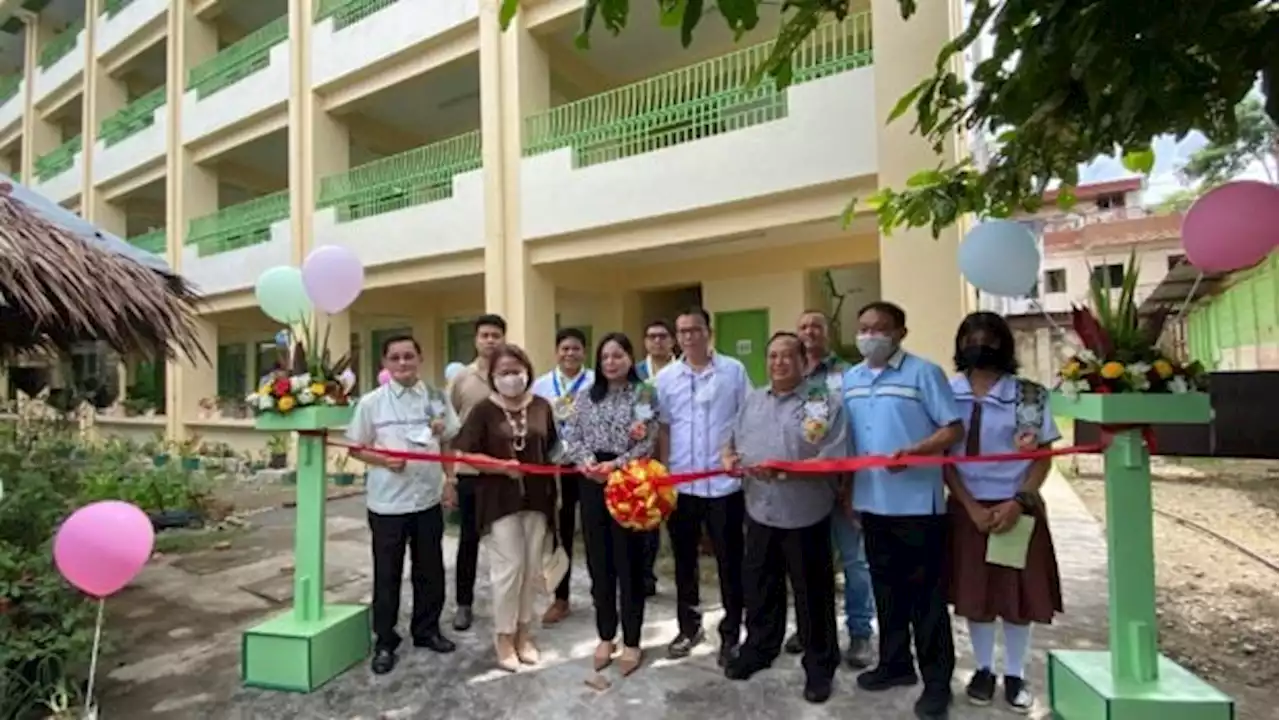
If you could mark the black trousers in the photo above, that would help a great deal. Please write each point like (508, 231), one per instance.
(468, 543)
(802, 555)
(421, 533)
(568, 524)
(652, 544)
(723, 519)
(615, 559)
(908, 556)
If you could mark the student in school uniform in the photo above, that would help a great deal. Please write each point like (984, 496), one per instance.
(1002, 413)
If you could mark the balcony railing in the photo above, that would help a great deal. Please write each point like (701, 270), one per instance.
(349, 12)
(709, 98)
(238, 60)
(9, 87)
(238, 226)
(152, 242)
(133, 118)
(111, 8)
(61, 44)
(416, 177)
(54, 163)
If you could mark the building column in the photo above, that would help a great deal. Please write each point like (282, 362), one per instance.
(39, 136)
(103, 97)
(190, 191)
(514, 83)
(917, 272)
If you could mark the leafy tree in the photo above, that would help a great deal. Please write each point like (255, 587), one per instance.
(1066, 82)
(1256, 142)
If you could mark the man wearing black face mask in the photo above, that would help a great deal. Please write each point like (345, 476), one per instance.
(899, 404)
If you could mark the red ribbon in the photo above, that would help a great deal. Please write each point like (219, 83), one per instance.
(800, 467)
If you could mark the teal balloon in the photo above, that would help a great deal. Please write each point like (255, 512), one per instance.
(1000, 257)
(282, 296)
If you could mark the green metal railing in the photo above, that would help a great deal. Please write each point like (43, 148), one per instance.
(9, 87)
(152, 242)
(133, 118)
(237, 226)
(349, 12)
(709, 98)
(112, 7)
(58, 161)
(60, 44)
(416, 177)
(238, 60)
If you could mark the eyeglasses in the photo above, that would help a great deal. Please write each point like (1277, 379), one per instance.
(692, 331)
(657, 336)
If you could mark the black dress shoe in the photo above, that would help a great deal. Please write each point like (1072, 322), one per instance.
(884, 678)
(794, 645)
(435, 642)
(742, 668)
(817, 690)
(384, 661)
(462, 618)
(684, 644)
(728, 653)
(934, 703)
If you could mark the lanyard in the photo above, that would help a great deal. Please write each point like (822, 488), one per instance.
(577, 383)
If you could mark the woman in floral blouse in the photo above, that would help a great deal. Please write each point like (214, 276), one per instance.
(615, 422)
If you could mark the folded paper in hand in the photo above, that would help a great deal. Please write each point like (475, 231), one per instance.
(1010, 548)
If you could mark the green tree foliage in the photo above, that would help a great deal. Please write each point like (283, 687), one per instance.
(1066, 81)
(1256, 142)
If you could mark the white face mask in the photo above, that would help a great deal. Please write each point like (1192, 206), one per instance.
(876, 348)
(512, 386)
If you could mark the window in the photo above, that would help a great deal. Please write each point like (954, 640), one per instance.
(1055, 281)
(1110, 201)
(1109, 276)
(460, 342)
(231, 366)
(1175, 260)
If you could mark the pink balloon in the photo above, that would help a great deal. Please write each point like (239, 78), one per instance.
(1232, 227)
(384, 377)
(103, 546)
(334, 277)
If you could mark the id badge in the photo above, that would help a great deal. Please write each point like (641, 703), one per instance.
(422, 437)
(835, 383)
(706, 393)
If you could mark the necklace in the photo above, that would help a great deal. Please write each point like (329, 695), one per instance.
(519, 422)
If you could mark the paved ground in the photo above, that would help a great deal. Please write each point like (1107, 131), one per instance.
(179, 635)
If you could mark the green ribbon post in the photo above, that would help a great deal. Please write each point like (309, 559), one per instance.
(304, 648)
(1131, 680)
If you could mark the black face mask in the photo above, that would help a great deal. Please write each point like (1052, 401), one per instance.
(981, 357)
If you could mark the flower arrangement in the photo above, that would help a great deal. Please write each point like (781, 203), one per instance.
(816, 413)
(1121, 351)
(634, 497)
(642, 412)
(302, 380)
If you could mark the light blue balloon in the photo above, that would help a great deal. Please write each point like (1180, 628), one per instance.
(1000, 257)
(452, 369)
(282, 296)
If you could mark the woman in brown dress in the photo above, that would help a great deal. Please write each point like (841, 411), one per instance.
(1002, 414)
(514, 512)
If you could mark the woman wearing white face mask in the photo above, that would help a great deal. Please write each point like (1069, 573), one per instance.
(514, 512)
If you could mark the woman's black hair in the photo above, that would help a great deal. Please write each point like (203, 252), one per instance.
(998, 330)
(600, 387)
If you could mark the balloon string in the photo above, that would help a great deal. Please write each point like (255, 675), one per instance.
(93, 658)
(1194, 286)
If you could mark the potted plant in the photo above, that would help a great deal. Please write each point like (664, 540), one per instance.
(158, 449)
(341, 475)
(189, 452)
(136, 406)
(278, 451)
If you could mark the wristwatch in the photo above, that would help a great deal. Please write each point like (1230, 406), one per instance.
(1027, 501)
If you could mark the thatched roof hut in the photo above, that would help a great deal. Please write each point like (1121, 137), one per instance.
(62, 283)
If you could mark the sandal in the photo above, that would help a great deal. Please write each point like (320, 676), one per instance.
(603, 655)
(630, 661)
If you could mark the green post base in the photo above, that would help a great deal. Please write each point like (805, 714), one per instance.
(1081, 687)
(284, 653)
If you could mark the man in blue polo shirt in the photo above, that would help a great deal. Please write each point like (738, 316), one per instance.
(899, 404)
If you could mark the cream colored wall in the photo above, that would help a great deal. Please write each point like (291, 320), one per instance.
(785, 295)
(1153, 265)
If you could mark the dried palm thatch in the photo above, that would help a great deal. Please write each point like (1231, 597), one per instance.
(57, 291)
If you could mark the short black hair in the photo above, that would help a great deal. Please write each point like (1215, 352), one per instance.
(516, 353)
(995, 326)
(491, 320)
(662, 324)
(399, 338)
(571, 332)
(789, 336)
(895, 313)
(696, 311)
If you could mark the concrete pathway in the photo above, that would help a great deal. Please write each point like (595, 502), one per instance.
(182, 626)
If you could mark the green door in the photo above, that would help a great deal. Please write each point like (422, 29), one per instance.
(742, 334)
(460, 342)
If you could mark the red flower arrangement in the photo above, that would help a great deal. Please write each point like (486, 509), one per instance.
(636, 499)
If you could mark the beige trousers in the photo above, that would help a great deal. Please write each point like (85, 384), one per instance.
(515, 544)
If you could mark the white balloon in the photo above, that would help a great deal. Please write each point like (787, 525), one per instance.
(1000, 257)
